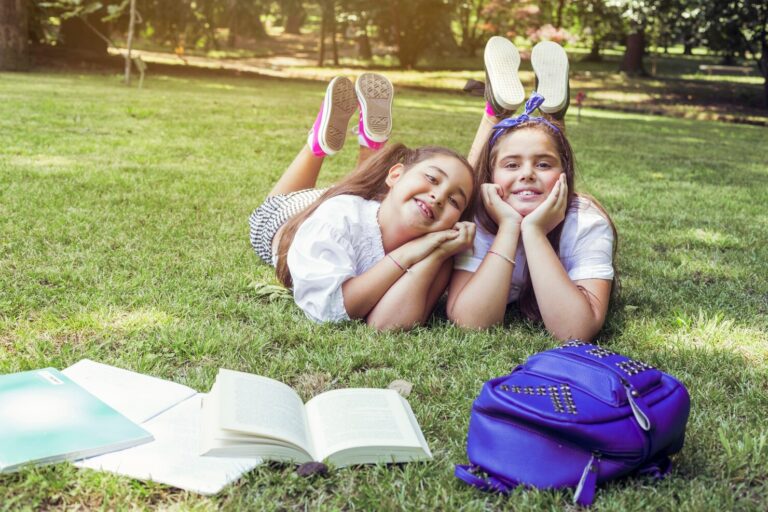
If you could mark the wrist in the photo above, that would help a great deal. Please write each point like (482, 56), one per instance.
(403, 256)
(510, 226)
(532, 231)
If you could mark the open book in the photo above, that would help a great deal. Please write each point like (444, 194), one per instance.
(247, 415)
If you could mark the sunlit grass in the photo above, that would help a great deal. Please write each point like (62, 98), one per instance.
(123, 216)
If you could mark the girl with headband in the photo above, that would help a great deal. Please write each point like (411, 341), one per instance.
(538, 242)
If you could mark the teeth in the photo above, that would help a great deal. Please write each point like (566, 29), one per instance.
(526, 193)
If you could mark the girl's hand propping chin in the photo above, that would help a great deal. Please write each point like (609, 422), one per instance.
(500, 211)
(551, 212)
(448, 242)
(419, 248)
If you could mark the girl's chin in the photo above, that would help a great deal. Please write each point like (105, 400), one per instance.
(524, 208)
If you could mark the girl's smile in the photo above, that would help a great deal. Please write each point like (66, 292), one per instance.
(429, 196)
(527, 167)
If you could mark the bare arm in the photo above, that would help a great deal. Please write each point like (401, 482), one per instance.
(361, 293)
(410, 301)
(569, 309)
(479, 299)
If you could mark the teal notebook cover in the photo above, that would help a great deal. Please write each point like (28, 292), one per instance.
(45, 417)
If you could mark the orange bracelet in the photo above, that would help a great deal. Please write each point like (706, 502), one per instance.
(504, 258)
(398, 264)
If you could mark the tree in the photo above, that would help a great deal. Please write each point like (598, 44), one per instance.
(293, 14)
(413, 26)
(740, 27)
(637, 15)
(597, 23)
(14, 35)
(470, 18)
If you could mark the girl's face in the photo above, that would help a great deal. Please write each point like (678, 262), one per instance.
(527, 167)
(431, 195)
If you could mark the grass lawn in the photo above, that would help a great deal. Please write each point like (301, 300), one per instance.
(123, 215)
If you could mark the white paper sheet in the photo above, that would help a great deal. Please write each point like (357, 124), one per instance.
(172, 457)
(136, 396)
(171, 413)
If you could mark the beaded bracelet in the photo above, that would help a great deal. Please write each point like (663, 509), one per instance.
(398, 264)
(504, 258)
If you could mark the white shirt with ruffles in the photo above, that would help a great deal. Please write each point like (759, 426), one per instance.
(586, 248)
(340, 240)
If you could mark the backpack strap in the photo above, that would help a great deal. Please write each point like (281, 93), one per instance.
(657, 468)
(584, 495)
(470, 475)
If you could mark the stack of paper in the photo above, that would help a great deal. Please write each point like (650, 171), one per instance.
(171, 412)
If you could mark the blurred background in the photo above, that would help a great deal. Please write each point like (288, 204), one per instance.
(717, 48)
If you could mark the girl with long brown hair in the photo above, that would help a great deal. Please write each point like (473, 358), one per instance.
(377, 245)
(550, 248)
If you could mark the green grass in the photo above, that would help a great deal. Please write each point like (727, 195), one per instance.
(123, 215)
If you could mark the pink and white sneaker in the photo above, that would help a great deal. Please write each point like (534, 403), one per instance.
(327, 135)
(374, 96)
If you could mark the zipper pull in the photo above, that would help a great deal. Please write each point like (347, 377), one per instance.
(638, 407)
(585, 491)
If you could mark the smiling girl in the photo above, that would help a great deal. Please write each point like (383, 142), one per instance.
(378, 245)
(550, 248)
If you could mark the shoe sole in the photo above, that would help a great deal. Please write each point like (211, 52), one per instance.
(375, 94)
(550, 64)
(338, 106)
(502, 61)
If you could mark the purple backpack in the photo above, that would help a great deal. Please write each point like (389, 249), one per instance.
(574, 416)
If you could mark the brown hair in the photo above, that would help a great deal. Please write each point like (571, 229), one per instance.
(484, 168)
(368, 181)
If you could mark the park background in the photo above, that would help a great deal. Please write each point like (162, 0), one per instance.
(123, 215)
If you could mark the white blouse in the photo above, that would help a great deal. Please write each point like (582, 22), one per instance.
(586, 248)
(340, 240)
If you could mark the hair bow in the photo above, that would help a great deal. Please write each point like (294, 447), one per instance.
(532, 104)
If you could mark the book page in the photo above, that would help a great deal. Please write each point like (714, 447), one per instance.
(172, 457)
(136, 396)
(349, 418)
(261, 406)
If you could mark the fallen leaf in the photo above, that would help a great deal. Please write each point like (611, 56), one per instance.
(401, 386)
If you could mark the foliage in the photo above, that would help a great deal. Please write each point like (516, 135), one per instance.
(413, 26)
(597, 23)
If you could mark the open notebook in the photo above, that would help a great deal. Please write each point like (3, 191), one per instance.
(171, 412)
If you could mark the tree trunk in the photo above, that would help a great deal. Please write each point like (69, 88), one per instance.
(233, 23)
(129, 42)
(334, 29)
(594, 52)
(293, 22)
(687, 48)
(632, 64)
(364, 50)
(321, 50)
(14, 35)
(559, 19)
(762, 65)
(765, 92)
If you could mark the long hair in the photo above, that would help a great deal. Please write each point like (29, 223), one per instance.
(484, 168)
(369, 181)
